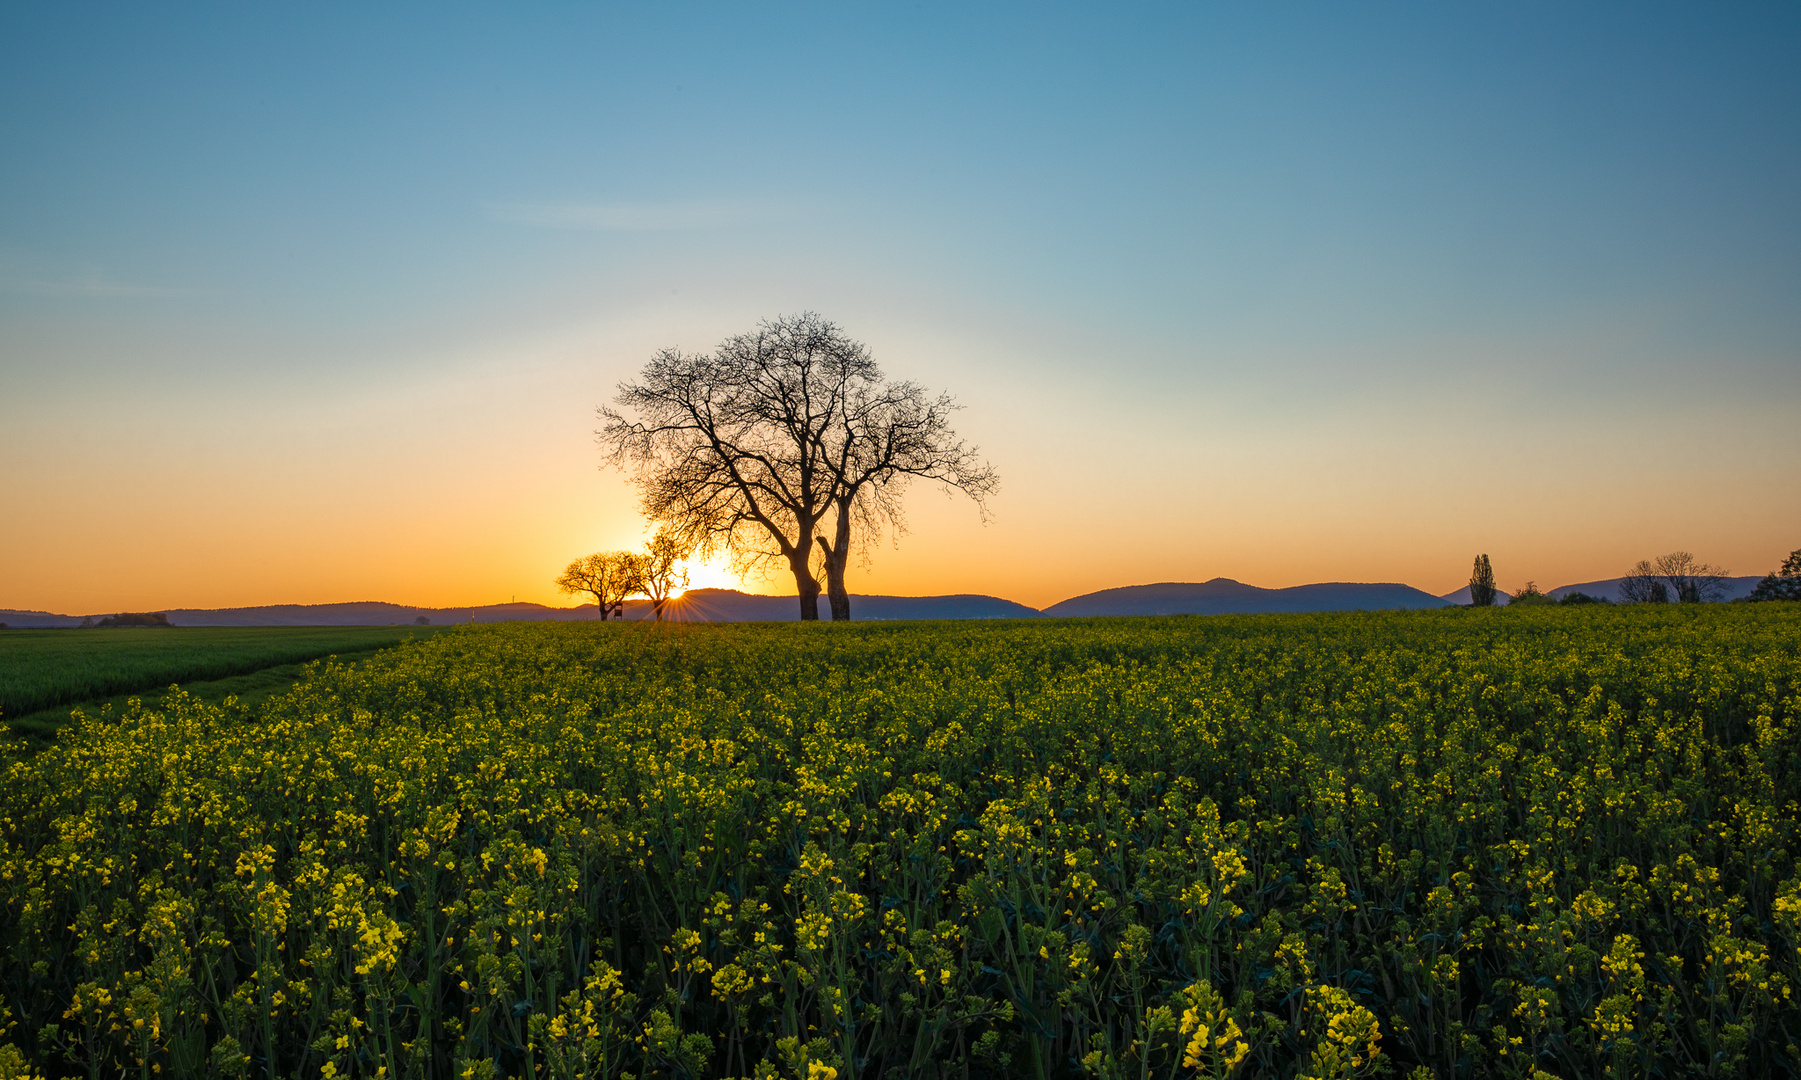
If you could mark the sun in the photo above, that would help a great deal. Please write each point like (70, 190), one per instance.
(711, 574)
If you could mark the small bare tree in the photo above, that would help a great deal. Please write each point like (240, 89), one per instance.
(1678, 576)
(1641, 586)
(608, 576)
(661, 573)
(1482, 583)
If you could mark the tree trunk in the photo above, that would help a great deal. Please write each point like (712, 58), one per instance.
(840, 599)
(837, 557)
(806, 585)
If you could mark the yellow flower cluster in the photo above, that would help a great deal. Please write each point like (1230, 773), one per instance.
(1555, 842)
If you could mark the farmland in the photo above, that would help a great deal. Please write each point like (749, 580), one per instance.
(44, 672)
(1446, 843)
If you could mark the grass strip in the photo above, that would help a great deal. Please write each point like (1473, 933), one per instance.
(249, 690)
(49, 669)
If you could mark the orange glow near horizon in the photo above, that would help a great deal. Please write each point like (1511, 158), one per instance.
(476, 536)
(489, 483)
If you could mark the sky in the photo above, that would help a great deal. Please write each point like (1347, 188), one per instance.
(310, 304)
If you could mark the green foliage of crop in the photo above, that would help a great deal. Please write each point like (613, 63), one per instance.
(1451, 843)
(42, 669)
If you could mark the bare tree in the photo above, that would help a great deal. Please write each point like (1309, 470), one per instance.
(1678, 576)
(660, 570)
(608, 576)
(1689, 580)
(747, 450)
(1482, 583)
(1641, 586)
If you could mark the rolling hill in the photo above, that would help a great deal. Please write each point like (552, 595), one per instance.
(700, 605)
(1223, 596)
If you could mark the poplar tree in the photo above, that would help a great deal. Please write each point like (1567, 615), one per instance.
(1482, 583)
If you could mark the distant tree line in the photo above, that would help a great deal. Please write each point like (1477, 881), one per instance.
(1678, 577)
(128, 618)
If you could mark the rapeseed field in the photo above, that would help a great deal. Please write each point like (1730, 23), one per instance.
(1512, 843)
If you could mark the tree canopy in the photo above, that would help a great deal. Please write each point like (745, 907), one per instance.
(608, 576)
(1678, 576)
(661, 570)
(1784, 584)
(1482, 583)
(783, 445)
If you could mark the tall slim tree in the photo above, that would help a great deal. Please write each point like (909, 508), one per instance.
(750, 448)
(1482, 583)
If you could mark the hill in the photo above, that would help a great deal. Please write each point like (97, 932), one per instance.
(1223, 596)
(1462, 597)
(730, 605)
(36, 620)
(1220, 596)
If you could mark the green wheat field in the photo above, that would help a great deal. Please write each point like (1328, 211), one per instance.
(45, 673)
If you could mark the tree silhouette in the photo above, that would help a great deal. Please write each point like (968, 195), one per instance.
(1784, 584)
(660, 571)
(608, 576)
(1482, 583)
(1677, 576)
(750, 448)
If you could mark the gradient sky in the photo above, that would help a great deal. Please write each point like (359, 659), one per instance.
(315, 303)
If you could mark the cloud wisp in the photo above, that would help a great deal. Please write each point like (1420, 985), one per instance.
(633, 217)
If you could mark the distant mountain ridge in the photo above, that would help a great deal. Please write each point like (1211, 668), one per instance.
(730, 605)
(361, 613)
(1224, 596)
(1220, 596)
(697, 605)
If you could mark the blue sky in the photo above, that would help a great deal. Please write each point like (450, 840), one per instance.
(1285, 292)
